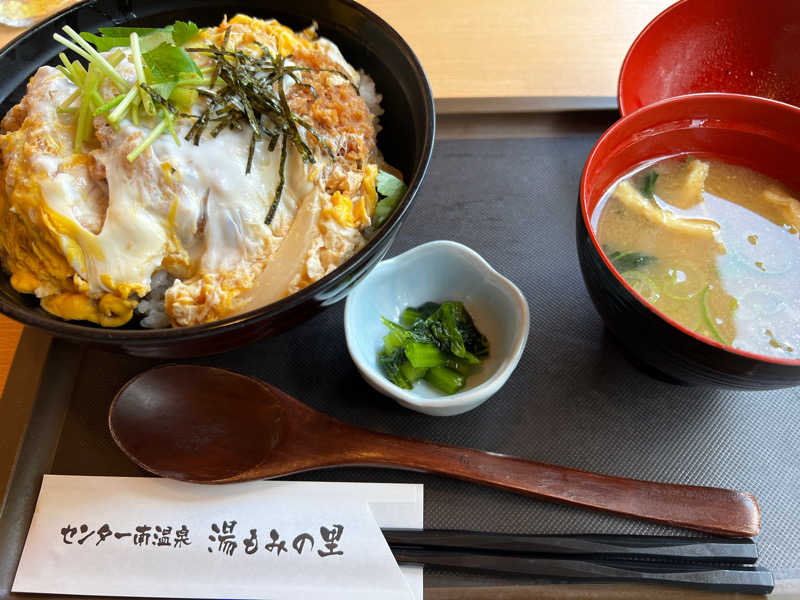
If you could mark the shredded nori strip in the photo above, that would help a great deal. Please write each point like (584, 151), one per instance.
(282, 180)
(250, 152)
(252, 93)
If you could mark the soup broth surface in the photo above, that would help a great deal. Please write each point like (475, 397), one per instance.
(712, 245)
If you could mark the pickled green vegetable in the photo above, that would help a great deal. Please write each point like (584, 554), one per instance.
(437, 342)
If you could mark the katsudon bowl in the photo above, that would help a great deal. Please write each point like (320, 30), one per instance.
(405, 140)
(742, 130)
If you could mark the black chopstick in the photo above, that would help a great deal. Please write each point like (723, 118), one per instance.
(736, 578)
(667, 548)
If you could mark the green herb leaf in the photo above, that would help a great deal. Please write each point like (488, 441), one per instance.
(150, 37)
(389, 185)
(125, 32)
(116, 37)
(390, 363)
(104, 44)
(167, 62)
(165, 88)
(183, 32)
(393, 190)
(649, 183)
(154, 40)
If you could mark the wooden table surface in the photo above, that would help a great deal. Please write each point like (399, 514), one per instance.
(486, 56)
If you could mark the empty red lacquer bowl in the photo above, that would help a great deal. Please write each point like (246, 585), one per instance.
(755, 132)
(740, 46)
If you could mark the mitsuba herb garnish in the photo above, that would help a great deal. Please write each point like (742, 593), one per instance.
(114, 37)
(160, 63)
(242, 90)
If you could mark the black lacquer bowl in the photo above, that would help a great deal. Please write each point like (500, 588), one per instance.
(406, 141)
(747, 130)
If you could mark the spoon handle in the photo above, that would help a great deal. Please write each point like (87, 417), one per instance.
(713, 510)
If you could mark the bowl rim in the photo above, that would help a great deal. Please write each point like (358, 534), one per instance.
(110, 336)
(472, 396)
(583, 197)
(623, 108)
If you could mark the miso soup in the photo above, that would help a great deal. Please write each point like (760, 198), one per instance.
(712, 245)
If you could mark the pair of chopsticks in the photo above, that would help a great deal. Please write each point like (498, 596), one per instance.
(720, 564)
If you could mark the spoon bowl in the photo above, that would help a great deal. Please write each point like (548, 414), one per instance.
(209, 425)
(209, 436)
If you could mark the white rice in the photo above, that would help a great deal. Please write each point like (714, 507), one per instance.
(152, 305)
(366, 89)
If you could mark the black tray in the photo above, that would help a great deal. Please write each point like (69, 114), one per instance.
(573, 400)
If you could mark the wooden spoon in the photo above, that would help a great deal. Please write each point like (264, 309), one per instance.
(209, 425)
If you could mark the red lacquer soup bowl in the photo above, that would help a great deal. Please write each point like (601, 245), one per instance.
(694, 46)
(754, 132)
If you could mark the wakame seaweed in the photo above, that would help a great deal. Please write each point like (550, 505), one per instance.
(628, 261)
(649, 183)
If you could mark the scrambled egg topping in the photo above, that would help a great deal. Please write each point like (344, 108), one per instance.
(86, 231)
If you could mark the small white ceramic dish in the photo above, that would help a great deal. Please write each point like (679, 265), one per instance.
(438, 271)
